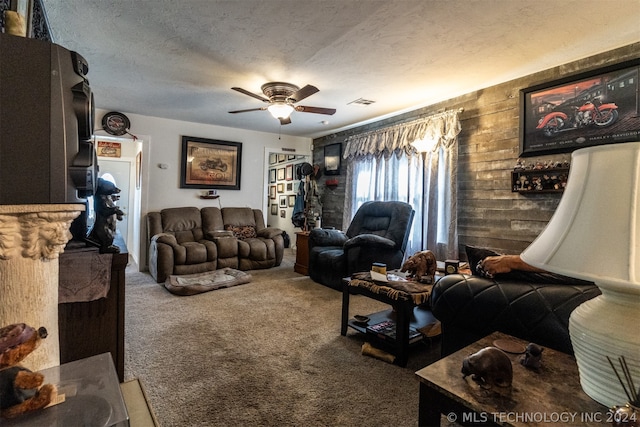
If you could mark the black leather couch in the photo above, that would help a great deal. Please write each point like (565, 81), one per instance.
(532, 306)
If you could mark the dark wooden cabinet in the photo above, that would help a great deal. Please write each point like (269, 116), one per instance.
(94, 327)
(302, 253)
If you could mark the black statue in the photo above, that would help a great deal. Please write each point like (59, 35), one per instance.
(106, 211)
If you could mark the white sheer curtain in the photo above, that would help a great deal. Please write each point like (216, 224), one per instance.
(384, 165)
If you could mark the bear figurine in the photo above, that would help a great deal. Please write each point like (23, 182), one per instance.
(104, 228)
(421, 266)
(21, 390)
(489, 366)
(532, 357)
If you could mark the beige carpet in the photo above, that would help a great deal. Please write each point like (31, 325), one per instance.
(268, 353)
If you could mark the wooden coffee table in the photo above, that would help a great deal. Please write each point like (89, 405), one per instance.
(551, 395)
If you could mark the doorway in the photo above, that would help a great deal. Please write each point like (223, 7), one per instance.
(281, 187)
(119, 173)
(125, 171)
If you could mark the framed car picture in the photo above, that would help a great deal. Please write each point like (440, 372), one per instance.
(592, 108)
(210, 163)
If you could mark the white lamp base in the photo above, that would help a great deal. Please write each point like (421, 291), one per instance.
(608, 325)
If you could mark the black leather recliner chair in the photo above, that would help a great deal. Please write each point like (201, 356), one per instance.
(378, 232)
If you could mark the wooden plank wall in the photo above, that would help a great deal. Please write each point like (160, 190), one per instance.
(489, 213)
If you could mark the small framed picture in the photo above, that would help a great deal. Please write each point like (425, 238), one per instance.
(274, 209)
(282, 158)
(272, 191)
(272, 175)
(283, 213)
(292, 200)
(332, 159)
(280, 174)
(289, 173)
(289, 186)
(273, 158)
(283, 201)
(291, 157)
(280, 188)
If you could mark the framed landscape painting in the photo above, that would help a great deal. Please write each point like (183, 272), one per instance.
(593, 108)
(210, 163)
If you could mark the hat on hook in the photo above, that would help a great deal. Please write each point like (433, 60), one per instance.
(305, 169)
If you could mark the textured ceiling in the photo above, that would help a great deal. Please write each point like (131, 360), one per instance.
(179, 59)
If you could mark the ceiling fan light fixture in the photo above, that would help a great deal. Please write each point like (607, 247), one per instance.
(280, 110)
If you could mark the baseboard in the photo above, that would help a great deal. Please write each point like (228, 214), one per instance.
(140, 412)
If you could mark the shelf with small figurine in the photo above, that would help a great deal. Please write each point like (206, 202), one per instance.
(538, 177)
(210, 195)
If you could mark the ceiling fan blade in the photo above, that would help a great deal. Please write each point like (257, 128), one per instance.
(303, 93)
(285, 121)
(250, 109)
(246, 92)
(317, 110)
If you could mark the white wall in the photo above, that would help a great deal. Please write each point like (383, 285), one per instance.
(163, 145)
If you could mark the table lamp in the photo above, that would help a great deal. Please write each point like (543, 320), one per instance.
(595, 235)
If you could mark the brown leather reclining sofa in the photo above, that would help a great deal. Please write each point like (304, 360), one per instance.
(190, 240)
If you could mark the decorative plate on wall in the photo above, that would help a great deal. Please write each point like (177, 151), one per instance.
(115, 123)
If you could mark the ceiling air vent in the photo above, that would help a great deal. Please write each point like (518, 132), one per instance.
(361, 102)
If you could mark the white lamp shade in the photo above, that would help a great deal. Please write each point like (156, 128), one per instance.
(594, 233)
(280, 110)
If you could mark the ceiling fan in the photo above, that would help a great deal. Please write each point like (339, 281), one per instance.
(281, 98)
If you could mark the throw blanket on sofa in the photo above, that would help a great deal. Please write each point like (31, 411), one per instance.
(192, 284)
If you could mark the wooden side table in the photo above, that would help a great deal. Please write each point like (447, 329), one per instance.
(302, 253)
(406, 313)
(543, 397)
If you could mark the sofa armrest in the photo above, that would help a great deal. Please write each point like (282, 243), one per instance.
(167, 239)
(179, 251)
(370, 240)
(161, 257)
(326, 237)
(269, 232)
